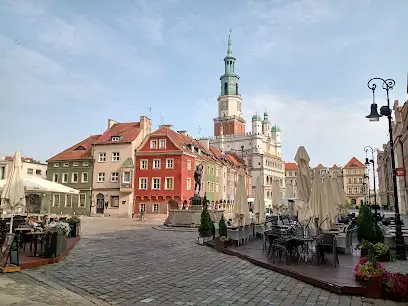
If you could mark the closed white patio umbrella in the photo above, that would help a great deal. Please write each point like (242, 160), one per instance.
(328, 209)
(13, 194)
(241, 208)
(259, 202)
(303, 185)
(315, 201)
(277, 198)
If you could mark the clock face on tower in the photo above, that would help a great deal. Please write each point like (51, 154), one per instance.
(224, 105)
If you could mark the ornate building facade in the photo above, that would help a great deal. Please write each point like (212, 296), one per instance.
(260, 148)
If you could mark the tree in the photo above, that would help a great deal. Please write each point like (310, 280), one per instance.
(222, 227)
(367, 229)
(206, 225)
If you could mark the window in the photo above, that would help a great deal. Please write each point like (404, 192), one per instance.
(188, 187)
(212, 186)
(84, 178)
(55, 200)
(162, 143)
(115, 156)
(143, 164)
(169, 163)
(115, 138)
(155, 207)
(101, 177)
(126, 177)
(169, 183)
(55, 177)
(208, 187)
(64, 178)
(74, 164)
(82, 200)
(216, 187)
(156, 183)
(102, 157)
(188, 164)
(208, 170)
(65, 165)
(153, 144)
(38, 172)
(74, 178)
(85, 164)
(142, 207)
(2, 172)
(114, 177)
(56, 165)
(142, 183)
(68, 200)
(156, 163)
(30, 171)
(114, 201)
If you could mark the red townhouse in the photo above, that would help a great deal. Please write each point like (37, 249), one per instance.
(164, 170)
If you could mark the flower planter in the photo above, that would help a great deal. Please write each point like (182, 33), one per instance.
(74, 229)
(55, 245)
(384, 257)
(373, 287)
(364, 252)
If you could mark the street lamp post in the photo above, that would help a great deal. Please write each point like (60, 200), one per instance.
(385, 110)
(367, 163)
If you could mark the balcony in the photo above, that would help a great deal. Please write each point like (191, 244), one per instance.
(126, 187)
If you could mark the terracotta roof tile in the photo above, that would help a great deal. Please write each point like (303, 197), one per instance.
(81, 150)
(354, 163)
(334, 167)
(291, 166)
(126, 131)
(319, 166)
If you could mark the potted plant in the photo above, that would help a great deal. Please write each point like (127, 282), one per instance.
(367, 229)
(365, 248)
(205, 229)
(395, 286)
(223, 241)
(75, 225)
(370, 272)
(381, 251)
(56, 236)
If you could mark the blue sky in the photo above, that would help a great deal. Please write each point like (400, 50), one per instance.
(306, 62)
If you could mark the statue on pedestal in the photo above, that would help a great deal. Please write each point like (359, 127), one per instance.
(197, 178)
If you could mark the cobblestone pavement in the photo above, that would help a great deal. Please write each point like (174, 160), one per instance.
(144, 266)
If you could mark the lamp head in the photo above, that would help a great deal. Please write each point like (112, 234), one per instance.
(374, 115)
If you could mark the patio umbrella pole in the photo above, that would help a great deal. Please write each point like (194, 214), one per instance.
(11, 222)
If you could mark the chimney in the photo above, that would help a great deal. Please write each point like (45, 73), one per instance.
(111, 123)
(184, 133)
(145, 125)
(169, 126)
(205, 143)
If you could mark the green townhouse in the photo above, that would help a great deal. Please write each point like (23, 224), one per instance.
(73, 168)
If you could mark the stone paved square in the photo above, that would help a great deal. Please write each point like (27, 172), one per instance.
(126, 262)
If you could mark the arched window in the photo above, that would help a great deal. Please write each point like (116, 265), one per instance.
(225, 88)
(236, 89)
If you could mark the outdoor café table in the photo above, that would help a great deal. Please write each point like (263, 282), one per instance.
(21, 231)
(35, 235)
(272, 235)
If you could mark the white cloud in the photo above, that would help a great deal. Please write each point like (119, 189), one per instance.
(331, 131)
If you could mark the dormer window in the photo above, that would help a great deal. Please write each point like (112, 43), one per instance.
(80, 148)
(115, 138)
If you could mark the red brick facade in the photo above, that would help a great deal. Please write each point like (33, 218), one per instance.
(162, 169)
(230, 127)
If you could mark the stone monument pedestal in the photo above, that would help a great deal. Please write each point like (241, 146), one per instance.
(190, 217)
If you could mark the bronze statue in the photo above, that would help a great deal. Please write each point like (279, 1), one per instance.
(197, 178)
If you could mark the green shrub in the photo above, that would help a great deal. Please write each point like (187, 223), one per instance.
(206, 227)
(367, 229)
(223, 227)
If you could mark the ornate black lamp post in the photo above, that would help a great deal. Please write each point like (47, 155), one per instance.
(385, 110)
(367, 163)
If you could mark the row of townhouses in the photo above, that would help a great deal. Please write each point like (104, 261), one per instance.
(353, 175)
(383, 162)
(129, 168)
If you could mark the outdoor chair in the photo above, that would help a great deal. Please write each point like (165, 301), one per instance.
(326, 246)
(234, 235)
(243, 234)
(279, 250)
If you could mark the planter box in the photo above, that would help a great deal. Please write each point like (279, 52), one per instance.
(75, 229)
(373, 287)
(222, 244)
(384, 257)
(364, 252)
(55, 245)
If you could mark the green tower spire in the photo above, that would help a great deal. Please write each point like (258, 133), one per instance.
(229, 80)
